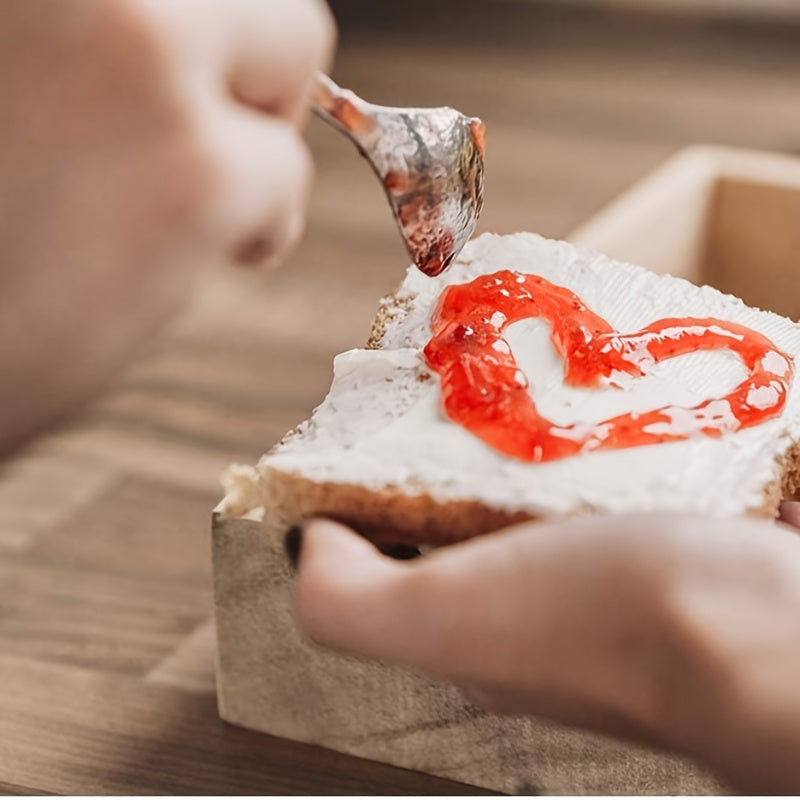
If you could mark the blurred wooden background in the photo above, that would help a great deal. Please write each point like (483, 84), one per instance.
(778, 10)
(106, 650)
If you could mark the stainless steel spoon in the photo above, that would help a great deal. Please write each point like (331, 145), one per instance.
(430, 161)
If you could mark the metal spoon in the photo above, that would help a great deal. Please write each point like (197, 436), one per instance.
(430, 161)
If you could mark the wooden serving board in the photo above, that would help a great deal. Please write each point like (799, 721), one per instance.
(273, 680)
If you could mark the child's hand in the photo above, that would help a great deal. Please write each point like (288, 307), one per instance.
(675, 630)
(141, 140)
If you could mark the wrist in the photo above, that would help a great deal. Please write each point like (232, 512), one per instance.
(729, 694)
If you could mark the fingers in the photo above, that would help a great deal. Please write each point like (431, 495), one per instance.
(263, 176)
(535, 619)
(348, 596)
(263, 53)
(567, 606)
(429, 613)
(517, 594)
(244, 70)
(277, 48)
(668, 629)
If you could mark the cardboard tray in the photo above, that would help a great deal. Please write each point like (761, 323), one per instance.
(726, 217)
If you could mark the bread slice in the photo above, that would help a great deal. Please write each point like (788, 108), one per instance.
(380, 454)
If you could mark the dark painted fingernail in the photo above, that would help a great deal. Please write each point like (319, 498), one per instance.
(402, 552)
(293, 542)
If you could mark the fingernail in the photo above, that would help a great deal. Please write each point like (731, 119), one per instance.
(293, 542)
(401, 552)
(254, 252)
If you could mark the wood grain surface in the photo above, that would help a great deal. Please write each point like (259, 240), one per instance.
(106, 649)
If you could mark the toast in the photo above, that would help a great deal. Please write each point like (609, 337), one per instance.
(381, 455)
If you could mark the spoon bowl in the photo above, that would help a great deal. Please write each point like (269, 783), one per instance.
(430, 162)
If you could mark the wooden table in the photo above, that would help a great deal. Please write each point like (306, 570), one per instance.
(106, 644)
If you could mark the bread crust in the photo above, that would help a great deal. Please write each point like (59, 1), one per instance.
(787, 486)
(390, 307)
(386, 516)
(389, 517)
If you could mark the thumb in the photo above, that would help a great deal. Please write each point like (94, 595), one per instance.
(349, 596)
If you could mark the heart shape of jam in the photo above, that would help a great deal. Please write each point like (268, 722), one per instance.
(484, 390)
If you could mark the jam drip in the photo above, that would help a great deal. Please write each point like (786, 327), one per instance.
(484, 390)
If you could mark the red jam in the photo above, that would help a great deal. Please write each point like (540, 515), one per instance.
(484, 390)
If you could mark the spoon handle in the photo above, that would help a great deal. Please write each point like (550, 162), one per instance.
(341, 108)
